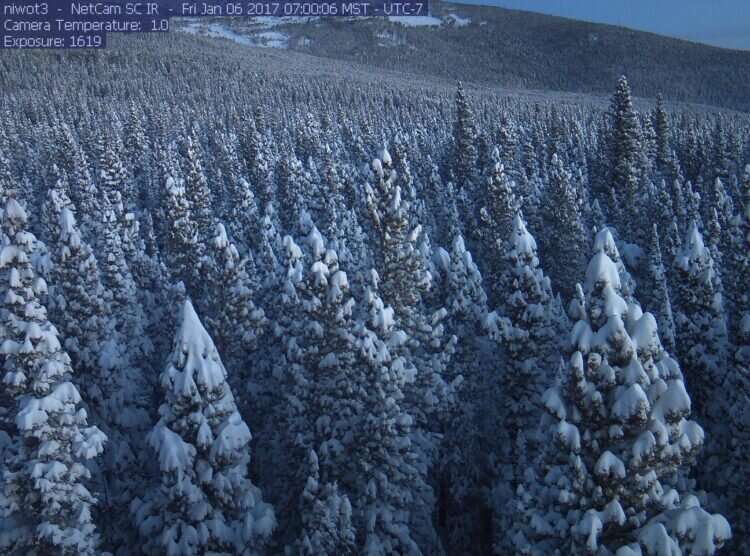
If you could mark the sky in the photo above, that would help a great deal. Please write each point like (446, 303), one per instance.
(719, 22)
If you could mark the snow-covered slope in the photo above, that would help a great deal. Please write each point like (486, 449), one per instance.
(496, 46)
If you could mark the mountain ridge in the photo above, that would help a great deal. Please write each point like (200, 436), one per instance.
(488, 45)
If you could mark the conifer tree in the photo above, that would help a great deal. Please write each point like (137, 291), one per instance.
(244, 214)
(258, 162)
(619, 431)
(113, 176)
(701, 328)
(346, 401)
(661, 304)
(527, 327)
(326, 517)
(464, 153)
(205, 502)
(77, 301)
(624, 146)
(83, 191)
(738, 271)
(294, 188)
(184, 253)
(565, 237)
(662, 130)
(234, 319)
(45, 505)
(497, 216)
(198, 192)
(6, 176)
(136, 143)
(404, 281)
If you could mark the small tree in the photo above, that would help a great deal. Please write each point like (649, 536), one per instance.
(326, 517)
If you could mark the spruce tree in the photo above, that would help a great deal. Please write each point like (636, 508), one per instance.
(326, 517)
(527, 326)
(701, 327)
(113, 175)
(565, 238)
(404, 282)
(197, 191)
(497, 217)
(205, 503)
(346, 402)
(294, 189)
(661, 304)
(184, 253)
(464, 153)
(45, 505)
(624, 147)
(662, 130)
(619, 434)
(234, 320)
(77, 300)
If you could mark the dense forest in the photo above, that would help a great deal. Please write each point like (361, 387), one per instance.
(248, 311)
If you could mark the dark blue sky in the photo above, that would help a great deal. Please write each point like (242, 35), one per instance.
(718, 22)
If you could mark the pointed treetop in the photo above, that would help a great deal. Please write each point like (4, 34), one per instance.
(693, 247)
(385, 157)
(196, 355)
(603, 271)
(605, 241)
(14, 211)
(523, 241)
(221, 240)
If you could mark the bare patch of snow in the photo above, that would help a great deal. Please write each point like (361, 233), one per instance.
(416, 20)
(457, 20)
(265, 39)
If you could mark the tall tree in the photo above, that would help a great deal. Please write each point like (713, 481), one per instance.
(527, 326)
(619, 431)
(234, 319)
(405, 280)
(197, 191)
(701, 325)
(205, 503)
(464, 152)
(624, 148)
(45, 505)
(564, 239)
(661, 303)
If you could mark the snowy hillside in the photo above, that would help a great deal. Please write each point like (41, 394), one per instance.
(260, 300)
(514, 49)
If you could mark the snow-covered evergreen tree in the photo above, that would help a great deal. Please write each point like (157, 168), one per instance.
(620, 434)
(564, 236)
(527, 326)
(45, 505)
(661, 303)
(197, 191)
(464, 153)
(205, 503)
(405, 279)
(326, 517)
(234, 319)
(624, 148)
(184, 252)
(701, 326)
(77, 300)
(345, 401)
